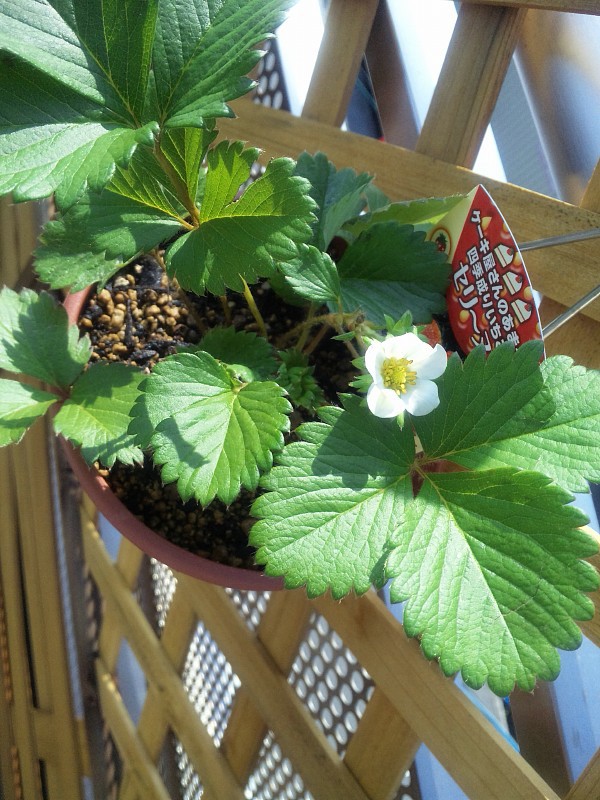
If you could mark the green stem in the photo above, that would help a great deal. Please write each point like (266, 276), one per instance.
(306, 330)
(353, 351)
(329, 319)
(316, 340)
(180, 187)
(226, 309)
(262, 328)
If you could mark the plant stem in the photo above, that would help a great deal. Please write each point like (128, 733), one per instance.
(226, 309)
(329, 319)
(262, 328)
(304, 334)
(316, 340)
(353, 351)
(180, 188)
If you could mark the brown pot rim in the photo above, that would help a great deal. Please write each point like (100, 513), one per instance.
(139, 534)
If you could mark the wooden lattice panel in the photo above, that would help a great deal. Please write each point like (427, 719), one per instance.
(264, 708)
(408, 700)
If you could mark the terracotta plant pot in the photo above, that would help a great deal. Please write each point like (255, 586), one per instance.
(150, 542)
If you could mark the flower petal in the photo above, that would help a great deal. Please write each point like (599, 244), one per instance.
(422, 398)
(433, 365)
(408, 345)
(374, 358)
(384, 403)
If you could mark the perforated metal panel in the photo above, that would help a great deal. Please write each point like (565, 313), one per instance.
(331, 683)
(325, 674)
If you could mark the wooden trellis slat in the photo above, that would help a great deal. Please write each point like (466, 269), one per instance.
(322, 771)
(153, 724)
(573, 6)
(580, 336)
(345, 39)
(18, 730)
(206, 758)
(479, 54)
(440, 715)
(280, 632)
(587, 786)
(49, 693)
(143, 773)
(407, 688)
(382, 749)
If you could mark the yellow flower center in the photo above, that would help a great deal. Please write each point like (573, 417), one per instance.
(396, 374)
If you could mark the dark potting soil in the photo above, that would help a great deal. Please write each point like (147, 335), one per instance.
(139, 318)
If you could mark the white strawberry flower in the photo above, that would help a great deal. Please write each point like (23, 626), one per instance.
(403, 369)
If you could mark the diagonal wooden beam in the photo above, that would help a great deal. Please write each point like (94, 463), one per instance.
(479, 54)
(380, 761)
(323, 773)
(573, 6)
(479, 759)
(403, 175)
(347, 29)
(209, 762)
(280, 631)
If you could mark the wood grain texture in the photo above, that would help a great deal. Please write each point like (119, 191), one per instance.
(217, 778)
(478, 757)
(143, 773)
(573, 6)
(382, 749)
(347, 29)
(153, 723)
(323, 773)
(465, 95)
(587, 786)
(18, 734)
(45, 624)
(580, 337)
(280, 631)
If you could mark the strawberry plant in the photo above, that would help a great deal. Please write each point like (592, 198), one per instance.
(450, 479)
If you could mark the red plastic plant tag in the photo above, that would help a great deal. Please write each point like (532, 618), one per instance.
(489, 297)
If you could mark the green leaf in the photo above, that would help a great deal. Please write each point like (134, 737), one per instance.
(185, 149)
(37, 340)
(313, 276)
(486, 400)
(101, 233)
(337, 193)
(145, 182)
(334, 500)
(244, 238)
(213, 434)
(296, 376)
(96, 415)
(44, 34)
(421, 214)
(52, 140)
(564, 446)
(119, 35)
(229, 166)
(202, 52)
(20, 406)
(389, 269)
(375, 198)
(249, 355)
(490, 591)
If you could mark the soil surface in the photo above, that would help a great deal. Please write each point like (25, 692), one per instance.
(139, 318)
